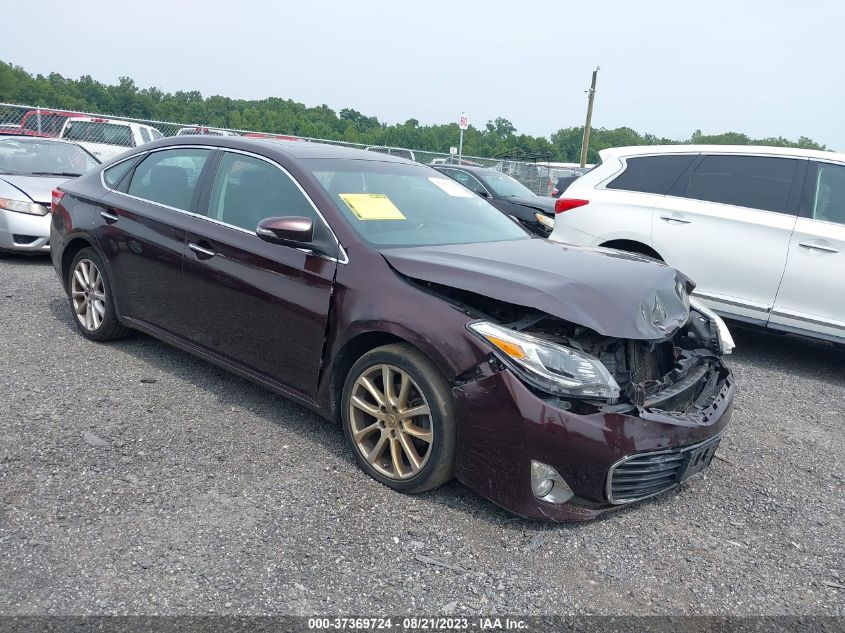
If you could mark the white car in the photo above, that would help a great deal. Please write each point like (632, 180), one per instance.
(106, 138)
(761, 230)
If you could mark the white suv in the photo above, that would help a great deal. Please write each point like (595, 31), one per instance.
(106, 138)
(761, 230)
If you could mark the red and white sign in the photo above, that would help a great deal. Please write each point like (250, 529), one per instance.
(463, 122)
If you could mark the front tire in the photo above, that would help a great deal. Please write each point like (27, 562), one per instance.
(91, 301)
(399, 419)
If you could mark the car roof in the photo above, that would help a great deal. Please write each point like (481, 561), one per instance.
(764, 150)
(469, 168)
(38, 139)
(294, 149)
(101, 119)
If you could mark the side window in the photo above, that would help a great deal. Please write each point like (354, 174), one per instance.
(145, 136)
(651, 174)
(829, 200)
(169, 177)
(248, 190)
(465, 179)
(475, 184)
(156, 134)
(113, 175)
(756, 182)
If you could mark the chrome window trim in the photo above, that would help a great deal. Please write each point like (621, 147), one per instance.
(344, 259)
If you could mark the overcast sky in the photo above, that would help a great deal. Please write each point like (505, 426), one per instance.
(771, 68)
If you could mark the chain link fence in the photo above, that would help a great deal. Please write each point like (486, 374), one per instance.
(107, 136)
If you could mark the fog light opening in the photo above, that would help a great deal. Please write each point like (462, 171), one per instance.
(547, 484)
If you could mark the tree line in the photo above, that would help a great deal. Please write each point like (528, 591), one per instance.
(284, 116)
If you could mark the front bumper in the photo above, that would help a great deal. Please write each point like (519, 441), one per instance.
(503, 425)
(23, 232)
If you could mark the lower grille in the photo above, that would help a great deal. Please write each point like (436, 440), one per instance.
(24, 239)
(646, 474)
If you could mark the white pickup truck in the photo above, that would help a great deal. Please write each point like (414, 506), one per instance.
(106, 138)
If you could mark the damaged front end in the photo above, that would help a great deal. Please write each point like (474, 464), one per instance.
(591, 371)
(609, 420)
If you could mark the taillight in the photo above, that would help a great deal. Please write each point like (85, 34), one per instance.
(55, 199)
(565, 204)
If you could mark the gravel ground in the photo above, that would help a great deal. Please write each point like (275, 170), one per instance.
(137, 479)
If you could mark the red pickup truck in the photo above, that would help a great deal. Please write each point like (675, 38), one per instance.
(40, 122)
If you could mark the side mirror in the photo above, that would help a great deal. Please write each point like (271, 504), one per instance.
(292, 231)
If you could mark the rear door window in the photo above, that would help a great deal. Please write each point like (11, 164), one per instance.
(829, 199)
(756, 182)
(169, 177)
(465, 179)
(145, 136)
(652, 174)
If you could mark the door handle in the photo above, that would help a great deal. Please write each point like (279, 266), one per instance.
(202, 253)
(817, 247)
(669, 218)
(109, 217)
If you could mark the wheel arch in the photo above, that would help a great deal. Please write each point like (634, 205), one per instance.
(73, 246)
(358, 345)
(632, 246)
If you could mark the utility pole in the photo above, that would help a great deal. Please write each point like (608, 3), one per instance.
(585, 141)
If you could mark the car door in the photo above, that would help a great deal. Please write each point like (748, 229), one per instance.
(812, 293)
(262, 305)
(726, 223)
(141, 231)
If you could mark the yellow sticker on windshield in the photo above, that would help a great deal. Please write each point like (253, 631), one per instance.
(371, 206)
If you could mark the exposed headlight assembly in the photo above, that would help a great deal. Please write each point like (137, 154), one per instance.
(726, 341)
(545, 220)
(22, 206)
(553, 368)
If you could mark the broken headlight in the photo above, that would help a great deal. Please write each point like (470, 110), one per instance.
(553, 368)
(726, 341)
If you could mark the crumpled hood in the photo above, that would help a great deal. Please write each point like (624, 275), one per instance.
(616, 294)
(542, 203)
(38, 188)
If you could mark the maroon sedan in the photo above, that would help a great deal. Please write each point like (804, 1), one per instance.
(559, 382)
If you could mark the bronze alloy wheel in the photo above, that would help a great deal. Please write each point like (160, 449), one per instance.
(391, 422)
(88, 294)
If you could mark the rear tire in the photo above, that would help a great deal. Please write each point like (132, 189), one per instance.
(399, 419)
(90, 297)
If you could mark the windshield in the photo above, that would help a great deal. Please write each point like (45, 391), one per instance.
(394, 205)
(506, 187)
(43, 157)
(97, 132)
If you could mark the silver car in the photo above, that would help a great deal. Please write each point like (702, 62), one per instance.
(30, 168)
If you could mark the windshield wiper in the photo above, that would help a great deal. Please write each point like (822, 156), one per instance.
(55, 173)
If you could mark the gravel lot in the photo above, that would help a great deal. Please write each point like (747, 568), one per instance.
(137, 479)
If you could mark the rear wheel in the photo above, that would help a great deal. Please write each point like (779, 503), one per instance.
(90, 298)
(398, 418)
